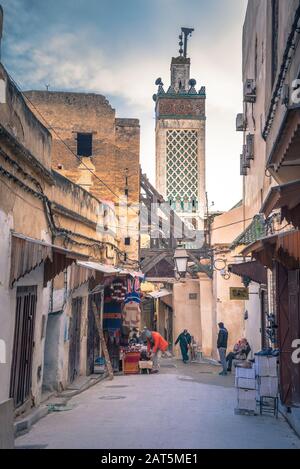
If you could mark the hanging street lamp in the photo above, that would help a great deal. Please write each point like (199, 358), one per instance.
(181, 260)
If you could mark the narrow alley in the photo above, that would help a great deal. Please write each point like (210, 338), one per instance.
(149, 227)
(186, 407)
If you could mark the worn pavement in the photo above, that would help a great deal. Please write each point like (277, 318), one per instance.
(183, 407)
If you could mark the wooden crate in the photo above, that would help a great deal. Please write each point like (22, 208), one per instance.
(131, 363)
(145, 365)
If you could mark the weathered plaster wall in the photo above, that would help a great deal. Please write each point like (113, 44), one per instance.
(18, 120)
(253, 323)
(187, 313)
(116, 150)
(208, 322)
(225, 229)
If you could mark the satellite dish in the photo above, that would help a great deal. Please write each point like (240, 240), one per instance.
(158, 81)
(154, 97)
(192, 82)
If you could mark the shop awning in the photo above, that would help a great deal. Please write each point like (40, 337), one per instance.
(160, 294)
(28, 253)
(284, 248)
(80, 275)
(103, 268)
(167, 300)
(252, 270)
(109, 269)
(287, 198)
(284, 160)
(133, 273)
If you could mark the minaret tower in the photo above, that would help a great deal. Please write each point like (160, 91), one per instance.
(180, 140)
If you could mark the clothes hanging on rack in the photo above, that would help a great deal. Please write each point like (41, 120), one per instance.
(133, 290)
(131, 314)
(118, 290)
(112, 315)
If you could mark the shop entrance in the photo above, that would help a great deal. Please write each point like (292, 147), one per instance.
(264, 307)
(288, 301)
(21, 370)
(51, 352)
(74, 334)
(294, 317)
(93, 339)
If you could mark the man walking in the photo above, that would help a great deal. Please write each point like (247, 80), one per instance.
(222, 346)
(184, 340)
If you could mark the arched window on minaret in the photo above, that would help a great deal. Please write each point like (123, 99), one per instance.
(180, 84)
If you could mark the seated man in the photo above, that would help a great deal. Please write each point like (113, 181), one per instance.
(241, 351)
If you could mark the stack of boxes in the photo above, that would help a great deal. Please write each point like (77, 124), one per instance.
(245, 383)
(256, 384)
(267, 376)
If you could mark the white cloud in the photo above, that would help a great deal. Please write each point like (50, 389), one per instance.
(69, 60)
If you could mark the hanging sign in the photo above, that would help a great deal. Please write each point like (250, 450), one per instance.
(239, 293)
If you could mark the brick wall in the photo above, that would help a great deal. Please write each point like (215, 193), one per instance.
(116, 146)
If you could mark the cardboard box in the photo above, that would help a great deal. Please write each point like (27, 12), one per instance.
(245, 383)
(245, 394)
(145, 365)
(268, 386)
(246, 399)
(265, 366)
(247, 405)
(248, 373)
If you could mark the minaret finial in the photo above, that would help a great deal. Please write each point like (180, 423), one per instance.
(180, 45)
(186, 32)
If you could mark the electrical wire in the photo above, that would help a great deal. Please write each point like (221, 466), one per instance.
(231, 224)
(90, 170)
(61, 140)
(57, 231)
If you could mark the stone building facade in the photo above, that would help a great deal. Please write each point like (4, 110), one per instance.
(270, 170)
(97, 151)
(48, 225)
(180, 143)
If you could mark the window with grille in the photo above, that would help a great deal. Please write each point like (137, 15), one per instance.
(182, 165)
(84, 144)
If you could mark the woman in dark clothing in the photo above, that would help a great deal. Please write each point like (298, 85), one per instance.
(184, 340)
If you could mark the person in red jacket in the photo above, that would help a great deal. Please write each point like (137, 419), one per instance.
(155, 344)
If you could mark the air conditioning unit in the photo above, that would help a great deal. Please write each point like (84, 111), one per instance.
(250, 91)
(285, 94)
(250, 147)
(245, 159)
(243, 170)
(240, 123)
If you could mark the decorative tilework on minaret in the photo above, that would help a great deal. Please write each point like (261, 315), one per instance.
(180, 140)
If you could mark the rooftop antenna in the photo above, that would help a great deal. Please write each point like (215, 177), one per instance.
(186, 32)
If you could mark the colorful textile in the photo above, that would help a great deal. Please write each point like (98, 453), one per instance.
(112, 317)
(133, 284)
(133, 290)
(134, 296)
(118, 290)
(131, 314)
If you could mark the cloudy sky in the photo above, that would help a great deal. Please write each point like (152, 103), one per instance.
(119, 47)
